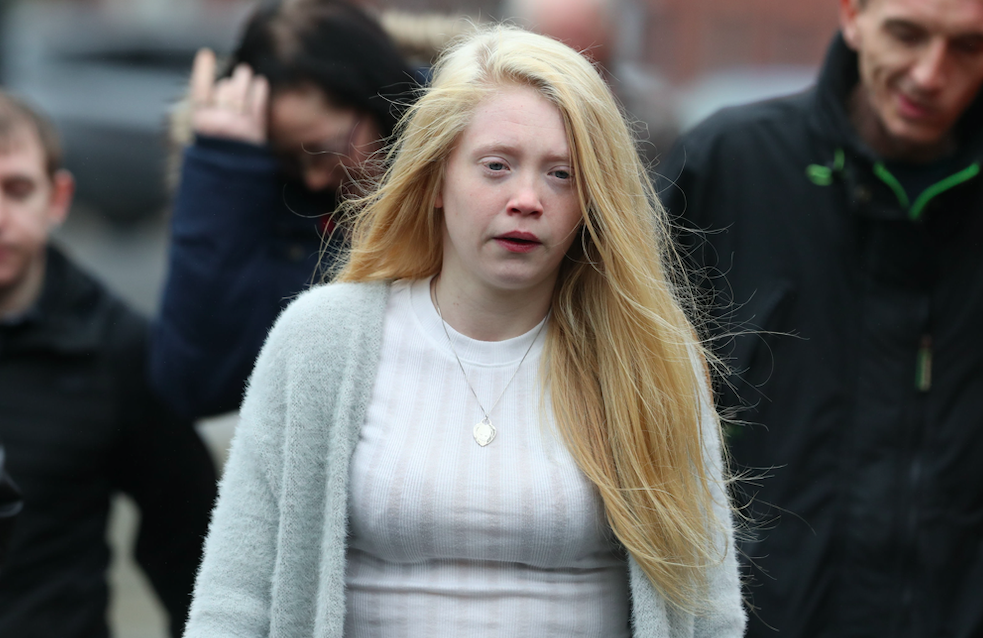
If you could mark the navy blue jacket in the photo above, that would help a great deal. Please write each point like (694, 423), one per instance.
(244, 242)
(854, 309)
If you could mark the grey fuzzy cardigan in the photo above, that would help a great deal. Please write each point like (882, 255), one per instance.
(274, 560)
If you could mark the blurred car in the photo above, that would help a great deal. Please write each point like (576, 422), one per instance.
(107, 75)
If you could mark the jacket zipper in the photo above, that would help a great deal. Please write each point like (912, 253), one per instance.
(923, 383)
(923, 367)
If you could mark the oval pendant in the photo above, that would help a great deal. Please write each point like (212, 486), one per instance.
(484, 432)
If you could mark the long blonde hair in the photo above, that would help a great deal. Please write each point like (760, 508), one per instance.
(622, 362)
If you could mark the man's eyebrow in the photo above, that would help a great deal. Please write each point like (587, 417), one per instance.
(969, 35)
(904, 23)
(17, 179)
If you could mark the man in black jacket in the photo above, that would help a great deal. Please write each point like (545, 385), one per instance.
(11, 503)
(844, 258)
(77, 419)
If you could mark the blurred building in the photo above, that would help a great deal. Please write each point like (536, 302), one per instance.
(686, 39)
(721, 52)
(689, 38)
(700, 55)
(108, 70)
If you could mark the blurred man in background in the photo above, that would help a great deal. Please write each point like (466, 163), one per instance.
(588, 26)
(594, 27)
(77, 418)
(845, 232)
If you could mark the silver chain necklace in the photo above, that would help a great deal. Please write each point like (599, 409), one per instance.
(483, 432)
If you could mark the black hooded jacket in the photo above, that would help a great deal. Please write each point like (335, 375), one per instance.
(78, 423)
(850, 312)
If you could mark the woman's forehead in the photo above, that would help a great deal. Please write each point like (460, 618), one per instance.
(516, 116)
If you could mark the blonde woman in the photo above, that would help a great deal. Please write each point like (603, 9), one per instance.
(495, 421)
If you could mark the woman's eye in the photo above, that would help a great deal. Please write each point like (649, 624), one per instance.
(496, 166)
(562, 174)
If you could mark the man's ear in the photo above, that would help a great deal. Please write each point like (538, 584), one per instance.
(62, 191)
(849, 10)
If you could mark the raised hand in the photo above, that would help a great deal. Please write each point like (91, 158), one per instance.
(233, 107)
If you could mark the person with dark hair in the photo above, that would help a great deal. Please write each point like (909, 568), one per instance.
(78, 420)
(309, 95)
(841, 231)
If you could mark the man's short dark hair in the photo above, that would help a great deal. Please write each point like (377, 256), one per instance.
(16, 114)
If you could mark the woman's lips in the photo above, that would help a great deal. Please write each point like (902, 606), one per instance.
(518, 242)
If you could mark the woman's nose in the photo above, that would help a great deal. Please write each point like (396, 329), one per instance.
(526, 200)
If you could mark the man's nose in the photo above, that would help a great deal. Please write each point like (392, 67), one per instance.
(930, 68)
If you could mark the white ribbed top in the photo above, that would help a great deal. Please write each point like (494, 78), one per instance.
(449, 538)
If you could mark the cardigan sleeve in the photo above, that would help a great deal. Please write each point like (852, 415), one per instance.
(232, 593)
(726, 618)
(723, 616)
(233, 590)
(274, 556)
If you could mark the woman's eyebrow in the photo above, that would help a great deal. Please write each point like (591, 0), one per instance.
(496, 147)
(507, 148)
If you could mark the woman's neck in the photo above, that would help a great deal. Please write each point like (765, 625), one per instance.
(488, 315)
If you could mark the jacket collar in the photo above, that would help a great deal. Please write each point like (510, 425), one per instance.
(837, 79)
(66, 316)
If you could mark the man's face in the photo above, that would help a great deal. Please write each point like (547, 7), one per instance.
(921, 63)
(31, 204)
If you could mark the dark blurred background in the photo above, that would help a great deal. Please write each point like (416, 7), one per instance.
(109, 71)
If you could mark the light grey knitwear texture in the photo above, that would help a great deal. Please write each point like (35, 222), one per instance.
(274, 561)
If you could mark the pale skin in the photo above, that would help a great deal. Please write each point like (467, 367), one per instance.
(324, 143)
(921, 66)
(511, 212)
(32, 204)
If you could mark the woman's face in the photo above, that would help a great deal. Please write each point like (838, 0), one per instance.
(318, 142)
(509, 196)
